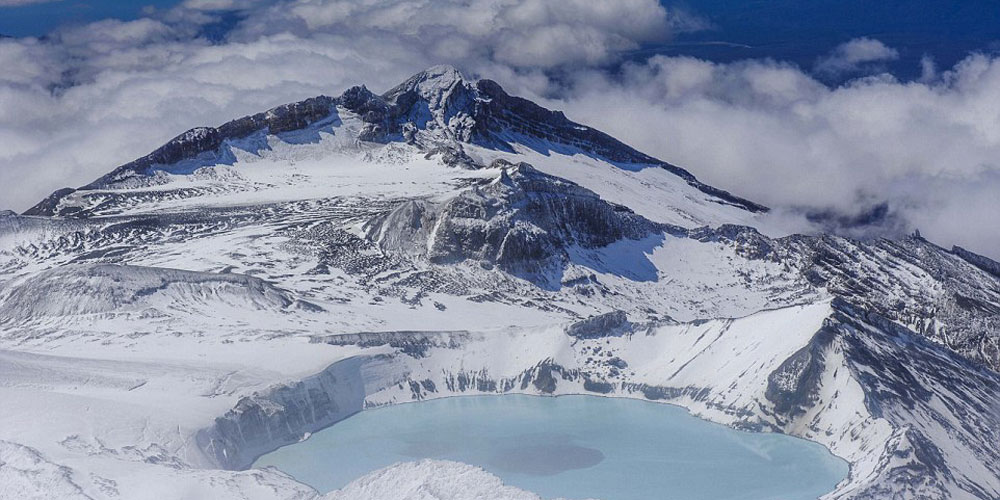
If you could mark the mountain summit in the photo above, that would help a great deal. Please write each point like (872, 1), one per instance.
(435, 110)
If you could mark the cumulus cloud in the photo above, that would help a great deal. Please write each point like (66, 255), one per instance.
(859, 54)
(921, 154)
(928, 151)
(215, 4)
(521, 33)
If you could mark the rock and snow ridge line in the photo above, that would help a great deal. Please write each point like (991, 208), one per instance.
(816, 392)
(439, 99)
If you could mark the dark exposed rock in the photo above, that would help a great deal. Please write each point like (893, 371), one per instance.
(428, 385)
(611, 324)
(412, 343)
(524, 223)
(282, 415)
(661, 393)
(985, 263)
(747, 240)
(49, 204)
(794, 387)
(617, 363)
(544, 381)
(598, 386)
(475, 381)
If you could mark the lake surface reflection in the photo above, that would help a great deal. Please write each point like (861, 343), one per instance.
(571, 446)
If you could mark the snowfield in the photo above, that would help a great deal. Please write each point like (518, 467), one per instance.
(243, 287)
(429, 480)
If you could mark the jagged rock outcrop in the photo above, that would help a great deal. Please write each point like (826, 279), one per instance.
(914, 283)
(985, 263)
(523, 222)
(603, 325)
(284, 414)
(951, 297)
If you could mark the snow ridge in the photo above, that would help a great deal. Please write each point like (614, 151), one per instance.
(437, 109)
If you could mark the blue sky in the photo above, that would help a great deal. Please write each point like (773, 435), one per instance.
(39, 18)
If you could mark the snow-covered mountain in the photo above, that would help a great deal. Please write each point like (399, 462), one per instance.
(242, 286)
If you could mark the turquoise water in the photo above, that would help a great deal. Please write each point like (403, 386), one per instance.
(570, 446)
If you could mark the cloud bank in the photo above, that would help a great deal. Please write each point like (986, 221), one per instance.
(929, 151)
(89, 98)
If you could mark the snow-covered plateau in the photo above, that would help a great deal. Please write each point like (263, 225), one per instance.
(244, 286)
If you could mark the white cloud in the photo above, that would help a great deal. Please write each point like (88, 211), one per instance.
(774, 134)
(92, 97)
(856, 55)
(523, 33)
(217, 4)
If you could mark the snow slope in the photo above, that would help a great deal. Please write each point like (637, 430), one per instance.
(429, 480)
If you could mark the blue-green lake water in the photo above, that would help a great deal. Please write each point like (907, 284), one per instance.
(570, 446)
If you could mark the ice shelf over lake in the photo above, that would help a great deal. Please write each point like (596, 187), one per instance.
(569, 446)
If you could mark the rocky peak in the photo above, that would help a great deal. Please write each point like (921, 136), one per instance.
(433, 85)
(441, 102)
(436, 109)
(436, 104)
(362, 101)
(520, 180)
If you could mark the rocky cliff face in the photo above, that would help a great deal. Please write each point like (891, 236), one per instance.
(939, 418)
(523, 222)
(284, 414)
(921, 429)
(949, 297)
